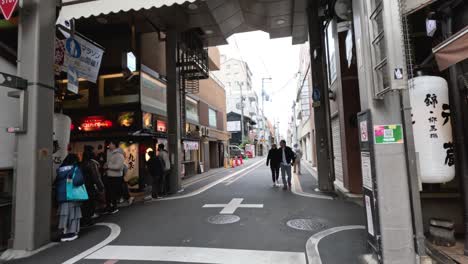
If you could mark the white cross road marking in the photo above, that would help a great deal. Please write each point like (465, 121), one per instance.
(232, 206)
(197, 255)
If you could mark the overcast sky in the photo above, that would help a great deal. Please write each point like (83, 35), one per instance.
(275, 58)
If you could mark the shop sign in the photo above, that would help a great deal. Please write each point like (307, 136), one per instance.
(84, 56)
(147, 120)
(191, 145)
(161, 126)
(95, 123)
(126, 119)
(388, 134)
(233, 126)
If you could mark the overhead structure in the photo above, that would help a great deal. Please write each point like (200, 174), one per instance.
(217, 19)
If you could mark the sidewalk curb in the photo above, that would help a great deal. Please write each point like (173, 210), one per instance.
(339, 190)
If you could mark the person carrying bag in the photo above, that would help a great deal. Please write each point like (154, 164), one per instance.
(71, 191)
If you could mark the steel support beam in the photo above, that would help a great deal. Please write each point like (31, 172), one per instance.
(173, 109)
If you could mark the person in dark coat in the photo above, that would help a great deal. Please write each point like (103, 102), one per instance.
(155, 167)
(274, 159)
(93, 183)
(287, 160)
(69, 212)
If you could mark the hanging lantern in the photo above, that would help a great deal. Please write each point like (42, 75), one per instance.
(432, 129)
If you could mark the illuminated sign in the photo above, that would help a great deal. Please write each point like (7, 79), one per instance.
(95, 123)
(161, 126)
(126, 119)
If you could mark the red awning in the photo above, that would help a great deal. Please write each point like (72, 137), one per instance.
(452, 50)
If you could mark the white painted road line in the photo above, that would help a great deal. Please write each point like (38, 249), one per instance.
(115, 232)
(313, 254)
(208, 186)
(198, 255)
(241, 176)
(232, 206)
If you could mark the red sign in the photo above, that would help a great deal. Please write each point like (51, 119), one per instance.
(8, 7)
(94, 123)
(161, 126)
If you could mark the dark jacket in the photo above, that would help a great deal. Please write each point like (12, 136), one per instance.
(289, 153)
(92, 177)
(155, 167)
(274, 158)
(63, 174)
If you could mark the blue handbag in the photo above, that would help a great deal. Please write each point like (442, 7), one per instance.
(76, 193)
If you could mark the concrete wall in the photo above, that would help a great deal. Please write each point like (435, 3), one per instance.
(8, 117)
(390, 164)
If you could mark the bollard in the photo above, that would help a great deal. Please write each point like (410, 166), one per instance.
(241, 160)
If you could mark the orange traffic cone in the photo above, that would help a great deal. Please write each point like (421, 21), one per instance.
(233, 164)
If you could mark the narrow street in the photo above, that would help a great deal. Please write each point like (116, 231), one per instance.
(238, 218)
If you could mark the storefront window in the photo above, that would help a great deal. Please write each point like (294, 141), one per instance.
(212, 118)
(115, 89)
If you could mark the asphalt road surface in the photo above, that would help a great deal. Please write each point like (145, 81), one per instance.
(237, 218)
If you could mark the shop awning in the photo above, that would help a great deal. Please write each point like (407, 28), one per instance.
(105, 7)
(452, 50)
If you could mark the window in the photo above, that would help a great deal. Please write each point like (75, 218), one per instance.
(378, 48)
(212, 118)
(191, 109)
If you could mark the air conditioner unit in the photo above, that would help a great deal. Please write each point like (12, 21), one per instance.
(207, 132)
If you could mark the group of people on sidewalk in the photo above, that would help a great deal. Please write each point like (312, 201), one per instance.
(103, 176)
(284, 158)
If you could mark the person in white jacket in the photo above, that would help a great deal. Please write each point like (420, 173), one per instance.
(164, 155)
(297, 164)
(114, 171)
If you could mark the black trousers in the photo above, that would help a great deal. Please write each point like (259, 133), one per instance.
(113, 191)
(156, 186)
(88, 208)
(274, 172)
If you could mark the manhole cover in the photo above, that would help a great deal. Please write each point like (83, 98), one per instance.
(223, 219)
(307, 224)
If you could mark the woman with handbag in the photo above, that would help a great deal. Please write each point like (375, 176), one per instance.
(71, 191)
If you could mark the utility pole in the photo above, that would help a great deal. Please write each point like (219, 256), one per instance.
(326, 176)
(33, 172)
(263, 108)
(242, 112)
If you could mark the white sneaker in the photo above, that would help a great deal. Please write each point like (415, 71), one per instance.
(148, 198)
(94, 216)
(130, 200)
(121, 200)
(69, 238)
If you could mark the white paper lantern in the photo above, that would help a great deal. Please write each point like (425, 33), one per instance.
(432, 129)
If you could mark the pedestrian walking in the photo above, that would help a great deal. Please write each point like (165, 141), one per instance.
(287, 160)
(93, 183)
(155, 166)
(297, 162)
(114, 171)
(274, 160)
(164, 155)
(69, 176)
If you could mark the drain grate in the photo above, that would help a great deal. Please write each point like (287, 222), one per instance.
(307, 224)
(223, 219)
